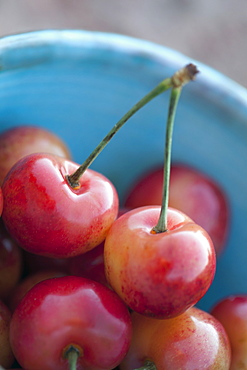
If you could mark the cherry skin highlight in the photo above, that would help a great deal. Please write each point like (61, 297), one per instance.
(46, 216)
(70, 311)
(158, 274)
(193, 340)
(27, 283)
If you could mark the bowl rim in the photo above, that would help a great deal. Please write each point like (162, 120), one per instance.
(215, 83)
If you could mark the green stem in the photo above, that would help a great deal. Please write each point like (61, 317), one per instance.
(72, 355)
(162, 222)
(149, 365)
(174, 98)
(189, 70)
(161, 87)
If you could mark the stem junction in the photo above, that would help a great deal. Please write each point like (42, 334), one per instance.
(149, 365)
(72, 353)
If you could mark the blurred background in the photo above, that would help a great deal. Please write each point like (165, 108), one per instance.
(213, 32)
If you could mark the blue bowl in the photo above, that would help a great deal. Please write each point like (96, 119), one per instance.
(79, 84)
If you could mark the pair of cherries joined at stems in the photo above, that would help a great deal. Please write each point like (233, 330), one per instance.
(157, 260)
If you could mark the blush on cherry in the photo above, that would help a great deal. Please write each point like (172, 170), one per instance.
(193, 340)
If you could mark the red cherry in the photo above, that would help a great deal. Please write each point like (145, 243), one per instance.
(232, 313)
(193, 340)
(158, 274)
(19, 141)
(47, 216)
(70, 313)
(190, 191)
(27, 283)
(90, 265)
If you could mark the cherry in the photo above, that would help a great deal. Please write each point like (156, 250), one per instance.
(232, 313)
(193, 193)
(90, 265)
(6, 354)
(158, 274)
(47, 216)
(70, 318)
(11, 263)
(19, 141)
(193, 340)
(27, 283)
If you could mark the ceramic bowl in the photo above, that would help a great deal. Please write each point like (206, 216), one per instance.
(79, 84)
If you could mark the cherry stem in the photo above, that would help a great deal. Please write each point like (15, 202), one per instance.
(72, 354)
(179, 78)
(174, 98)
(162, 222)
(149, 365)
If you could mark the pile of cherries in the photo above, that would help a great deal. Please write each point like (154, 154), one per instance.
(88, 284)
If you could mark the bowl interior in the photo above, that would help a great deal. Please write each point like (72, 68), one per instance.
(79, 84)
